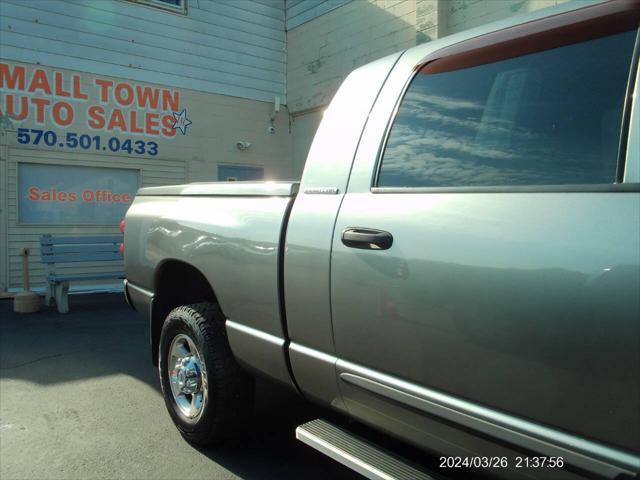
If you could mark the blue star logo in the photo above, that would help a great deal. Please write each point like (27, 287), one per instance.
(181, 122)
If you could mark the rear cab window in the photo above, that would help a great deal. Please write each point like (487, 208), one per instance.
(547, 118)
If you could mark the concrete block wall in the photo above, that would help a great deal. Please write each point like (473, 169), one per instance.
(430, 20)
(323, 51)
(464, 14)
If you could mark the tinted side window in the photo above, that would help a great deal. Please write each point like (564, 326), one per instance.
(548, 118)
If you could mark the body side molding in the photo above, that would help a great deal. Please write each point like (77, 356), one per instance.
(585, 454)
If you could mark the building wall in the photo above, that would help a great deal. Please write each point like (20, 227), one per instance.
(228, 47)
(322, 51)
(225, 60)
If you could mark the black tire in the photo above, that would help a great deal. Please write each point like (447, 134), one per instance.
(230, 389)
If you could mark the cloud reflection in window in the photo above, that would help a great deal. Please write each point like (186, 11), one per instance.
(549, 118)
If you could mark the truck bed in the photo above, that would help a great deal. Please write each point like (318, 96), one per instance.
(231, 232)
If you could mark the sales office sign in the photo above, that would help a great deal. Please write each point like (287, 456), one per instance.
(64, 110)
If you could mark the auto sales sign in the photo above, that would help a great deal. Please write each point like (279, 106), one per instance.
(71, 110)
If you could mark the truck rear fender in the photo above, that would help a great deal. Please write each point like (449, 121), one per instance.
(175, 283)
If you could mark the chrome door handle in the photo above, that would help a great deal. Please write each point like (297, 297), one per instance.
(367, 238)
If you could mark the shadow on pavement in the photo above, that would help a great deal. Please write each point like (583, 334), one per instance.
(102, 338)
(271, 443)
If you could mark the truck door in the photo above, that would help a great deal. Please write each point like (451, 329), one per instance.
(486, 258)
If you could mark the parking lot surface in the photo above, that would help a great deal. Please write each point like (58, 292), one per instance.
(79, 399)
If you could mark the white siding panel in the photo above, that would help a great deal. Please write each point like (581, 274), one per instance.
(52, 25)
(103, 20)
(272, 3)
(267, 26)
(46, 45)
(102, 68)
(256, 12)
(232, 48)
(259, 11)
(135, 18)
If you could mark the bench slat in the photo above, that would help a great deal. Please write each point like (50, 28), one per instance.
(57, 249)
(50, 240)
(84, 276)
(88, 257)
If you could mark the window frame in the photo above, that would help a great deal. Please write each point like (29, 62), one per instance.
(160, 5)
(580, 25)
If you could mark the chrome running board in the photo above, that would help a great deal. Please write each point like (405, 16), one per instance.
(356, 453)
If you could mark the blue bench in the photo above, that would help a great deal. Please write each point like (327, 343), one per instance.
(59, 250)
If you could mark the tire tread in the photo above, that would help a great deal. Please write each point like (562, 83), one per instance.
(231, 389)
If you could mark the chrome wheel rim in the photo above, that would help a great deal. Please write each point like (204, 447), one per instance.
(187, 376)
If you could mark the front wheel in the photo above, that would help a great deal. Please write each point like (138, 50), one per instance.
(207, 394)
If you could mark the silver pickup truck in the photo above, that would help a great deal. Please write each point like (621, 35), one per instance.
(459, 266)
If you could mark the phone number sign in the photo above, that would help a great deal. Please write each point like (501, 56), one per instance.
(69, 195)
(35, 136)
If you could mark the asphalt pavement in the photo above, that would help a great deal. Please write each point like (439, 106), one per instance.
(79, 399)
